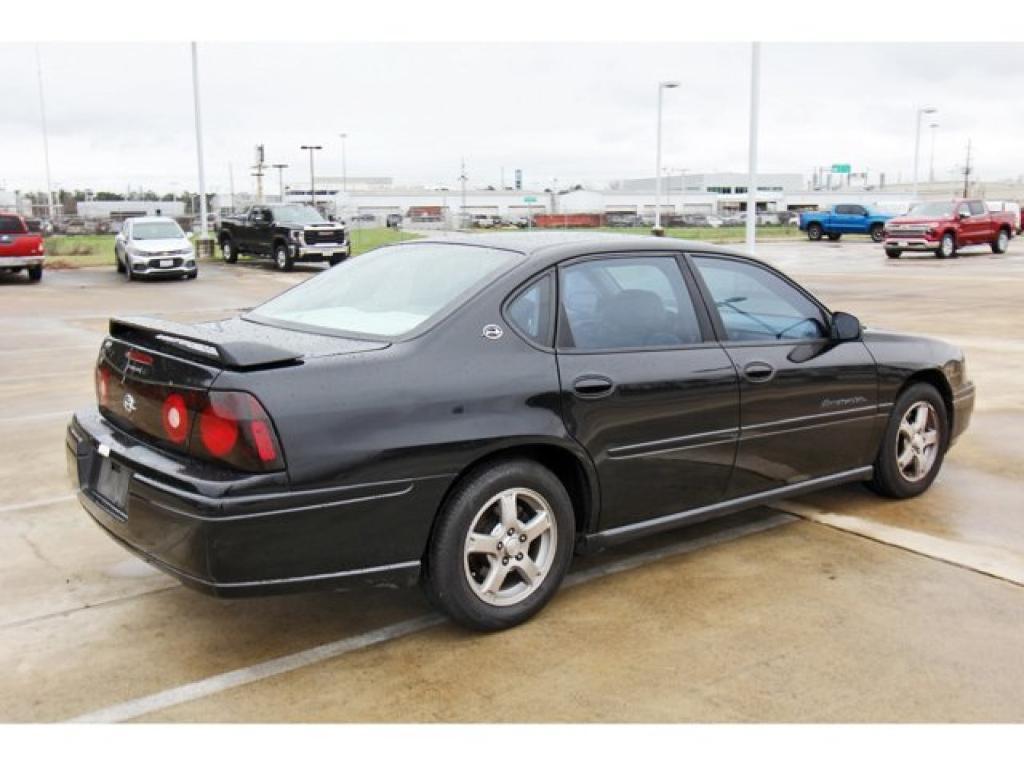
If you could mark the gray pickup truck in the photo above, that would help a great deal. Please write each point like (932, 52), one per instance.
(288, 233)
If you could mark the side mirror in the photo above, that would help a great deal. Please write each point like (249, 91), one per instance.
(963, 214)
(845, 327)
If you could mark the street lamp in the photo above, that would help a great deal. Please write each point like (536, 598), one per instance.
(658, 231)
(203, 227)
(917, 141)
(344, 164)
(931, 164)
(280, 179)
(312, 178)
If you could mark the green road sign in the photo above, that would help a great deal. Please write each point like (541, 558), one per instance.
(841, 169)
(529, 199)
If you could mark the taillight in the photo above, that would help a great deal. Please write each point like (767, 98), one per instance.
(103, 385)
(233, 427)
(174, 417)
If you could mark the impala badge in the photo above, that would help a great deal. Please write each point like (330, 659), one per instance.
(492, 332)
(128, 402)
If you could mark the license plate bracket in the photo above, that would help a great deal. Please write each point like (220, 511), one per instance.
(166, 263)
(112, 484)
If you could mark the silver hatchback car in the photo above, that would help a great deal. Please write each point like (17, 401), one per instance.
(154, 246)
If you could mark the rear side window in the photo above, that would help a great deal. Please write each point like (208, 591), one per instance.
(532, 311)
(11, 225)
(622, 303)
(756, 304)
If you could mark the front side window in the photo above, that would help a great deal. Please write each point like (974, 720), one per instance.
(388, 292)
(623, 303)
(531, 312)
(977, 207)
(757, 305)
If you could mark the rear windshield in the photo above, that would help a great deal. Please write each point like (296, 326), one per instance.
(387, 292)
(932, 209)
(11, 225)
(157, 230)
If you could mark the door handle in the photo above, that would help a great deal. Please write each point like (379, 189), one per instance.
(758, 372)
(592, 386)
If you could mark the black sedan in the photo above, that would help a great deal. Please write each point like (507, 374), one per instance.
(468, 413)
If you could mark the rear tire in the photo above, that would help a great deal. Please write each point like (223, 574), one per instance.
(893, 252)
(877, 232)
(1002, 242)
(910, 457)
(814, 232)
(228, 251)
(35, 273)
(283, 257)
(480, 575)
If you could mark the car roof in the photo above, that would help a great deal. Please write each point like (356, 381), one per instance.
(554, 246)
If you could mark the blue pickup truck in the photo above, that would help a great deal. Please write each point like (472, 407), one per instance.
(844, 219)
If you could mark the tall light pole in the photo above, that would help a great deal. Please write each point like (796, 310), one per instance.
(203, 231)
(658, 231)
(917, 141)
(755, 86)
(46, 138)
(280, 179)
(344, 164)
(312, 178)
(931, 164)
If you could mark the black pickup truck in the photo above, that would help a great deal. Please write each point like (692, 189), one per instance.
(286, 233)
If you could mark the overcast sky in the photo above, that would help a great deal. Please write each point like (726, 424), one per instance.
(122, 114)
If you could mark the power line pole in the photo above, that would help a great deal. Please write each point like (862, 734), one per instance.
(462, 179)
(312, 176)
(280, 179)
(203, 230)
(46, 137)
(967, 170)
(231, 186)
(755, 84)
(258, 167)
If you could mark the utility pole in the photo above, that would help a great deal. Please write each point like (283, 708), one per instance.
(931, 164)
(462, 179)
(258, 167)
(755, 84)
(203, 230)
(967, 170)
(46, 137)
(312, 177)
(280, 180)
(921, 112)
(344, 165)
(231, 186)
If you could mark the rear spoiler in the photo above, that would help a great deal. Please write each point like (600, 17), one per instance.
(199, 343)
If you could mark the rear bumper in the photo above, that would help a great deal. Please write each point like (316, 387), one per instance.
(248, 535)
(20, 261)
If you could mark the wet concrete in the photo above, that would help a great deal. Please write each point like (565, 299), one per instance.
(867, 610)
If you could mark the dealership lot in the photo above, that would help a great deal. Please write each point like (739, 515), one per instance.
(839, 606)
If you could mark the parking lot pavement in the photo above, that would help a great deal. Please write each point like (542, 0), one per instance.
(856, 609)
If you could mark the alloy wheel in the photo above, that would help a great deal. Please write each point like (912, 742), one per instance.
(917, 441)
(510, 547)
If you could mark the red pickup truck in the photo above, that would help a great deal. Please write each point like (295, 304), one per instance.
(945, 227)
(19, 247)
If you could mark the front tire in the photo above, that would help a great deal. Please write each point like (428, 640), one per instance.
(336, 259)
(947, 246)
(501, 547)
(814, 232)
(877, 232)
(1002, 242)
(913, 445)
(35, 273)
(283, 257)
(118, 263)
(892, 252)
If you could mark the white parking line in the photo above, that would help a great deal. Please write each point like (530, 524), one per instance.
(37, 503)
(222, 682)
(996, 562)
(37, 416)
